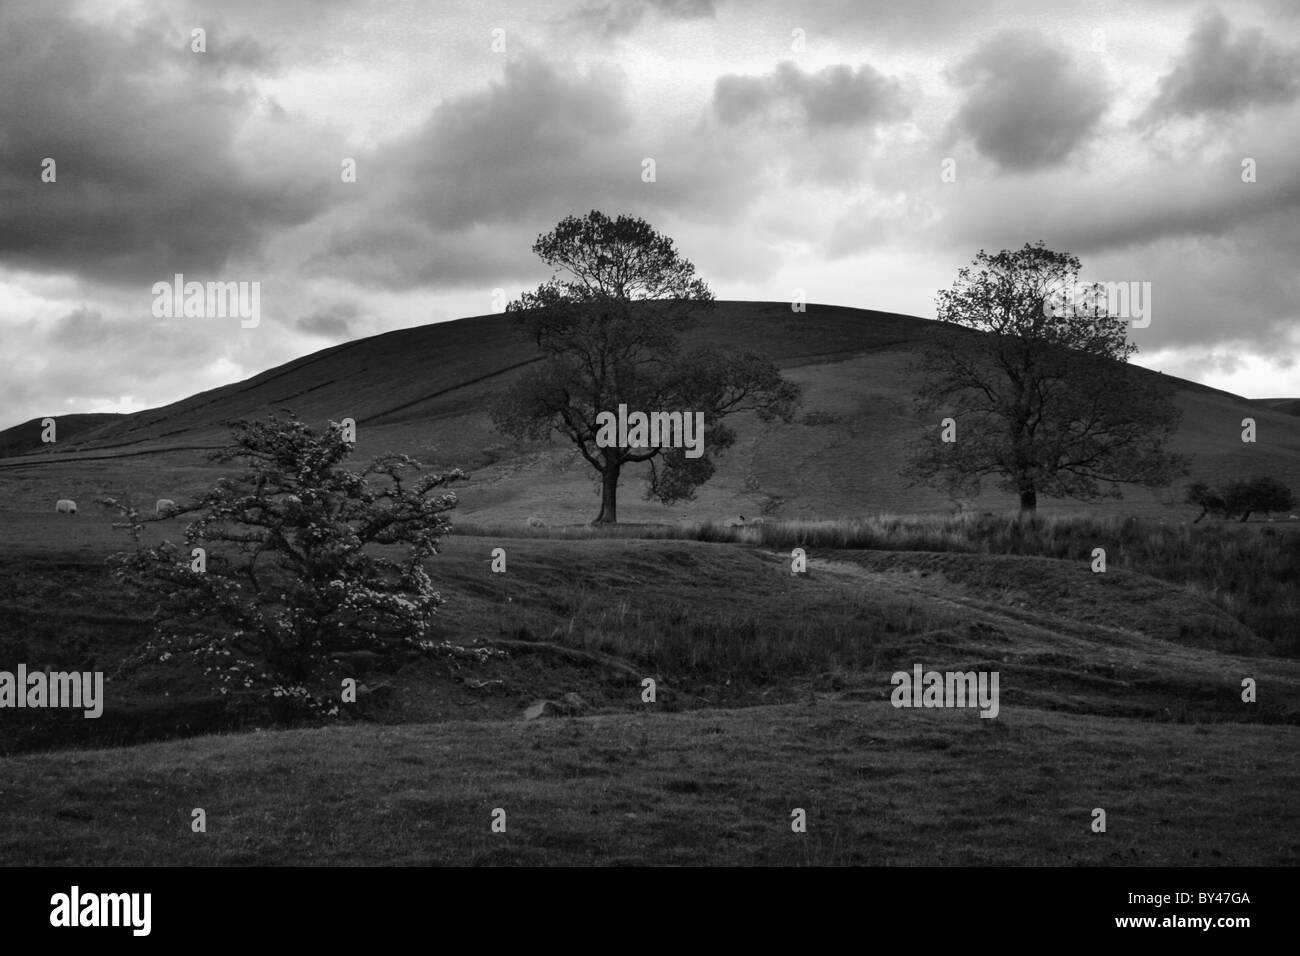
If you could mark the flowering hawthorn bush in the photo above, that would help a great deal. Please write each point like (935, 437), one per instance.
(302, 561)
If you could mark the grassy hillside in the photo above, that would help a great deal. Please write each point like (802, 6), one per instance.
(1117, 691)
(716, 624)
(425, 391)
(25, 438)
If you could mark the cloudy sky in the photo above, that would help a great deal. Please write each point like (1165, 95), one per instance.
(795, 146)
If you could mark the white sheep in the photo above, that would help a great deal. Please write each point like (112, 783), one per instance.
(535, 522)
(65, 506)
(163, 506)
(734, 522)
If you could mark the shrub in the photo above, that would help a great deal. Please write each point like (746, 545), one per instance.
(289, 579)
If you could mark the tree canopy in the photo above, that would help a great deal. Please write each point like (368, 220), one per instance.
(1043, 400)
(609, 325)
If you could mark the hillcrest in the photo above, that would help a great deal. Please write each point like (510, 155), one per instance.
(652, 430)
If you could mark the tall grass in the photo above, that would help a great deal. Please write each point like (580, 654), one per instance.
(1251, 572)
(706, 648)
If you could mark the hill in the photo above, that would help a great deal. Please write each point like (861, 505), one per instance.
(24, 438)
(425, 391)
(1290, 406)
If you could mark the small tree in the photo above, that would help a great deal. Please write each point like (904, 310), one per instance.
(1043, 400)
(1241, 497)
(1261, 493)
(288, 581)
(1208, 499)
(609, 333)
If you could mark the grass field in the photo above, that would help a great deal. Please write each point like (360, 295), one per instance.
(879, 786)
(1119, 690)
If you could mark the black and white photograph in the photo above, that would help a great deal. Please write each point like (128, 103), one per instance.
(651, 433)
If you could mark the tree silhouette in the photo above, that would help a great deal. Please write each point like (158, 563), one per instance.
(1043, 400)
(609, 325)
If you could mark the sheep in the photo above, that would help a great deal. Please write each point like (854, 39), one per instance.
(734, 522)
(535, 522)
(65, 506)
(163, 506)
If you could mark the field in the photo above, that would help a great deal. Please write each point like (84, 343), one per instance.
(1119, 690)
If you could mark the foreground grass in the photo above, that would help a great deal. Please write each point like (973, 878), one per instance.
(715, 626)
(1251, 571)
(879, 785)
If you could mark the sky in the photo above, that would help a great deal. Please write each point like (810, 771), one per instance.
(850, 152)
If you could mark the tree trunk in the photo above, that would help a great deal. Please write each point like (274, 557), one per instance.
(1028, 500)
(1245, 516)
(608, 494)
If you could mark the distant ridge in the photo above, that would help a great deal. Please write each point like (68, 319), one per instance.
(1290, 406)
(26, 437)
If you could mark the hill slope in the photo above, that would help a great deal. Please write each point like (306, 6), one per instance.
(26, 437)
(425, 391)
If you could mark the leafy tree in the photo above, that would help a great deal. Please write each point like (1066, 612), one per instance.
(609, 324)
(1261, 493)
(1209, 500)
(289, 581)
(1242, 497)
(1043, 400)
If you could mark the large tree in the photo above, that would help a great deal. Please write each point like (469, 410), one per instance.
(609, 325)
(1043, 400)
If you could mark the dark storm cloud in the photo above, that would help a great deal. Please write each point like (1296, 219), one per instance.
(497, 154)
(620, 17)
(834, 96)
(1220, 73)
(460, 201)
(150, 176)
(1029, 103)
(1203, 197)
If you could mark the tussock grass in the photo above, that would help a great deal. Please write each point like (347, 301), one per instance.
(707, 639)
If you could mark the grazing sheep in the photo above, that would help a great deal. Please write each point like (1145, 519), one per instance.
(734, 522)
(65, 505)
(163, 506)
(535, 522)
(756, 522)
